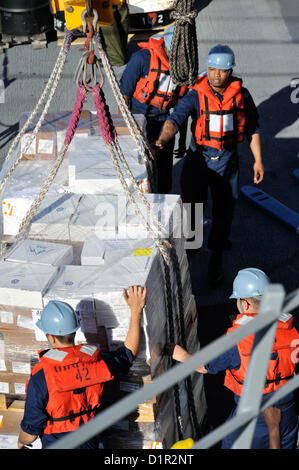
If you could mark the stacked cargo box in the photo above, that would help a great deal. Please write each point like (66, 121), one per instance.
(84, 249)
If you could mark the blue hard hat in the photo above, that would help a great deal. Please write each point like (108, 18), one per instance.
(168, 37)
(221, 57)
(58, 318)
(249, 282)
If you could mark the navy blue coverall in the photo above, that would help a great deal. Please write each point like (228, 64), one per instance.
(222, 175)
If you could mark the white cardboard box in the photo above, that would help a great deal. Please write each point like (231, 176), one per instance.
(23, 285)
(97, 214)
(97, 251)
(52, 220)
(91, 169)
(41, 252)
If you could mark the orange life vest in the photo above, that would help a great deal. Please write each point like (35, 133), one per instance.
(157, 88)
(281, 368)
(75, 379)
(221, 123)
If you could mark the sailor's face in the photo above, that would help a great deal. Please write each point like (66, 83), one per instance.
(218, 78)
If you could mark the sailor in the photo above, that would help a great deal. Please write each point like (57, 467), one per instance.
(66, 386)
(148, 89)
(222, 112)
(248, 288)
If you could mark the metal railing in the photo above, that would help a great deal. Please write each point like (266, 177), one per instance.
(274, 303)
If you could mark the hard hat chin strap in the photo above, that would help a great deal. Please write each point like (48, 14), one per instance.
(240, 306)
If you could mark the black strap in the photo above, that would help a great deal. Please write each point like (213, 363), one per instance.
(277, 379)
(156, 82)
(207, 119)
(219, 112)
(227, 136)
(235, 117)
(73, 415)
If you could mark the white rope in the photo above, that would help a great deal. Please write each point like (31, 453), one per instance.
(137, 188)
(159, 244)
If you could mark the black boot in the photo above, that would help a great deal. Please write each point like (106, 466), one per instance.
(215, 270)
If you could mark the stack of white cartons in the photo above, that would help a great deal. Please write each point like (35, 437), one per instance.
(91, 169)
(109, 314)
(84, 249)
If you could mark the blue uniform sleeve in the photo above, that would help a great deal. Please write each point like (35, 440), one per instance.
(35, 415)
(251, 113)
(119, 361)
(228, 360)
(136, 68)
(187, 106)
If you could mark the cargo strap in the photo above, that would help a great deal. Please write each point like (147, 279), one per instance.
(276, 381)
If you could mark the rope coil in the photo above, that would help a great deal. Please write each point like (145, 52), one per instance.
(183, 55)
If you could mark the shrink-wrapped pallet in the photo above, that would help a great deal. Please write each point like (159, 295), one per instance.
(111, 250)
(50, 138)
(104, 284)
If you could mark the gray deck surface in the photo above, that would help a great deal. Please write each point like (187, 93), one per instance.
(264, 35)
